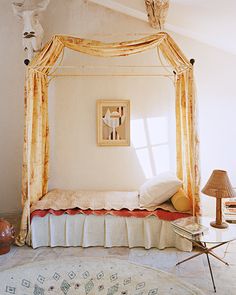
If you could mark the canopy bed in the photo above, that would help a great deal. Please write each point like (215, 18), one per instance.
(36, 150)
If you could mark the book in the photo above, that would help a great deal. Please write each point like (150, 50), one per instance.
(230, 202)
(229, 210)
(189, 225)
(186, 235)
(230, 217)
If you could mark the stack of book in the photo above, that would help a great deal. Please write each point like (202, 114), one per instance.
(189, 227)
(230, 209)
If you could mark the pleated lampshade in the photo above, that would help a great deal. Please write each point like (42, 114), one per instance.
(219, 185)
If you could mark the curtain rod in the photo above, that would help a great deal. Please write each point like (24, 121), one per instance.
(100, 66)
(110, 75)
(117, 34)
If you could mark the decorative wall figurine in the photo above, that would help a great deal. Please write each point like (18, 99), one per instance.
(33, 32)
(157, 12)
(113, 122)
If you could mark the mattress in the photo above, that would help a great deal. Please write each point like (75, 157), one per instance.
(58, 199)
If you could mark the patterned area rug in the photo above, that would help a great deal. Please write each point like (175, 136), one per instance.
(90, 276)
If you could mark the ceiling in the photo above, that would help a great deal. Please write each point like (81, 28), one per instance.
(209, 21)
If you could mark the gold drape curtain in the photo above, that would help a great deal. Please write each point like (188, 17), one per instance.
(36, 129)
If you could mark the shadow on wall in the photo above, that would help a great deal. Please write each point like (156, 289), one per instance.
(149, 137)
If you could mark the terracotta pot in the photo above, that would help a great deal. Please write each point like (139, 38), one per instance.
(7, 236)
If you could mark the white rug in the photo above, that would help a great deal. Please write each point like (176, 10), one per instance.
(90, 276)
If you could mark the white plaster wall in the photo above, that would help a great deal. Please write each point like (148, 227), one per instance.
(75, 158)
(11, 109)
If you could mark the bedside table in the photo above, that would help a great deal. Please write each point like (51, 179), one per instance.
(216, 236)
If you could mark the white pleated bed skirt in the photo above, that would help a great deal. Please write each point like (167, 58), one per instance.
(107, 231)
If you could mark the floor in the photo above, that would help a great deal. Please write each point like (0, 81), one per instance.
(195, 271)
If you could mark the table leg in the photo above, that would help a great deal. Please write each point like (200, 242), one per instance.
(217, 257)
(209, 250)
(189, 258)
(205, 250)
(212, 278)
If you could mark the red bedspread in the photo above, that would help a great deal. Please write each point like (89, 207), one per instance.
(162, 214)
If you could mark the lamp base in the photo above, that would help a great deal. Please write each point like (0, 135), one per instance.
(219, 225)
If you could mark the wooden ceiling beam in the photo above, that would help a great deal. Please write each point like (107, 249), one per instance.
(157, 12)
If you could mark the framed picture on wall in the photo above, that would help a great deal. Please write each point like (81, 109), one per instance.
(113, 122)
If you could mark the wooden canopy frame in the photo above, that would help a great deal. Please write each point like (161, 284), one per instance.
(36, 129)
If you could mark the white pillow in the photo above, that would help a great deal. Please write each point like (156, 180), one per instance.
(159, 189)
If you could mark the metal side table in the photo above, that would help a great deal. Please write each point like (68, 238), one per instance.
(215, 236)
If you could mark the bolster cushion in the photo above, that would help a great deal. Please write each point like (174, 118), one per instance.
(181, 201)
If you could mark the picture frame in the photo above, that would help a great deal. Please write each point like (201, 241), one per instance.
(113, 122)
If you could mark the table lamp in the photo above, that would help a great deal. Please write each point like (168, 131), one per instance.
(219, 186)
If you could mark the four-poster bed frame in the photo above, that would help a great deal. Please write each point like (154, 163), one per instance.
(36, 129)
